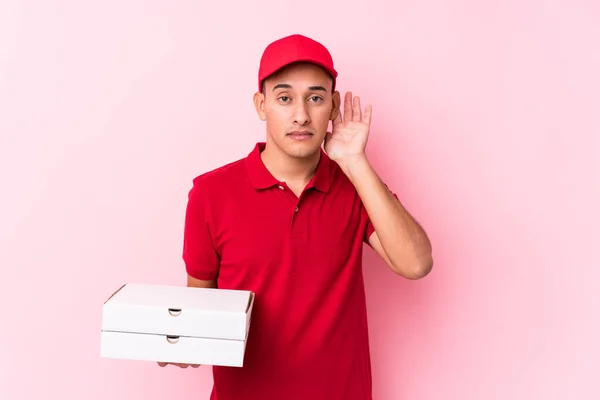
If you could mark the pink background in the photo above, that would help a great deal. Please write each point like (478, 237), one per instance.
(486, 123)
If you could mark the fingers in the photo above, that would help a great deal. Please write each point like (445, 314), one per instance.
(367, 116)
(180, 365)
(356, 111)
(353, 111)
(348, 107)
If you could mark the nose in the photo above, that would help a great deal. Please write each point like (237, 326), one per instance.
(301, 116)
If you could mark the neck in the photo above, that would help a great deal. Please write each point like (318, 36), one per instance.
(289, 169)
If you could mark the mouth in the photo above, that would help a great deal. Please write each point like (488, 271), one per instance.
(300, 135)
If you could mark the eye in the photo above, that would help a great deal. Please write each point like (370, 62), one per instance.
(284, 98)
(315, 99)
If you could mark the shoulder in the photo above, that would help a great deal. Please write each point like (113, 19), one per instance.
(221, 175)
(214, 181)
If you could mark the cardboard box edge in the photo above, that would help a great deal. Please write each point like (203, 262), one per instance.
(250, 301)
(114, 293)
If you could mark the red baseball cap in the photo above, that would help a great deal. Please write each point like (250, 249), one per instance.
(292, 49)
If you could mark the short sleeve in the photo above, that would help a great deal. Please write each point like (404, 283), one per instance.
(369, 228)
(199, 254)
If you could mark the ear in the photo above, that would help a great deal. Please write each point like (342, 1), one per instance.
(259, 105)
(335, 100)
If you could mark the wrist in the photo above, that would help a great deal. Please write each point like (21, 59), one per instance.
(354, 166)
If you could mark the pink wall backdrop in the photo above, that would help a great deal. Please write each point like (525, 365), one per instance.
(486, 122)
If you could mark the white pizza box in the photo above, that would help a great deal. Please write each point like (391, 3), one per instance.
(176, 324)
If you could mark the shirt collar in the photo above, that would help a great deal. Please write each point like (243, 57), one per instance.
(261, 178)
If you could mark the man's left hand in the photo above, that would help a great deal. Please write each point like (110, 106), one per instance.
(348, 140)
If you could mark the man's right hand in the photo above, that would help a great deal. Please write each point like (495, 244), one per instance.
(192, 282)
(180, 365)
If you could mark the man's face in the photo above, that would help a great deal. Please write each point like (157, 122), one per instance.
(297, 105)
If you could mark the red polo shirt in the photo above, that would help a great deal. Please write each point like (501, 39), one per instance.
(302, 257)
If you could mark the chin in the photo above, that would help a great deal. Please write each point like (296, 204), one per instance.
(302, 150)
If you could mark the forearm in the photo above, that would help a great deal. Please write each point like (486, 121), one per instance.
(403, 240)
(193, 282)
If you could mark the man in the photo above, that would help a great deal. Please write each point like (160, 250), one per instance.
(289, 222)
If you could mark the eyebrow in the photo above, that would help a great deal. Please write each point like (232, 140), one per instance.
(287, 86)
